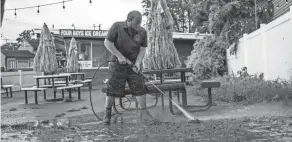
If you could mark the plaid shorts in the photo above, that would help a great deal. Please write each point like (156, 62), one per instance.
(119, 74)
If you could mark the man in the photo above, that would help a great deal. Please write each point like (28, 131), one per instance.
(127, 41)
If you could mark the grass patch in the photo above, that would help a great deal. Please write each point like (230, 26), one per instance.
(249, 89)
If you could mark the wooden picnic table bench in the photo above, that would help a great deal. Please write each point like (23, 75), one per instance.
(6, 88)
(69, 88)
(35, 90)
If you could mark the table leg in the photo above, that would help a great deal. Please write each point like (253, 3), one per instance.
(79, 94)
(25, 97)
(162, 101)
(63, 96)
(45, 94)
(54, 89)
(170, 102)
(10, 91)
(70, 94)
(184, 98)
(6, 89)
(67, 81)
(35, 97)
(38, 83)
(178, 98)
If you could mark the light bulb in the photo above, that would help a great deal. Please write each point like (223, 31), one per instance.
(15, 14)
(38, 11)
(63, 6)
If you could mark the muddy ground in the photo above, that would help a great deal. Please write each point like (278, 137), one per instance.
(74, 121)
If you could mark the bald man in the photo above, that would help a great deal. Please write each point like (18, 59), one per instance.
(127, 41)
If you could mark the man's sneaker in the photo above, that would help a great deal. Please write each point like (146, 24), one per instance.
(107, 116)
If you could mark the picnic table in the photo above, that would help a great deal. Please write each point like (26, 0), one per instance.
(65, 76)
(163, 80)
(171, 84)
(64, 84)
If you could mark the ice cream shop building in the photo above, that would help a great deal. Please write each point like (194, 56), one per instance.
(92, 51)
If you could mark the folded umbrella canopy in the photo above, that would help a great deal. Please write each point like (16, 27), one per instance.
(45, 59)
(72, 57)
(161, 53)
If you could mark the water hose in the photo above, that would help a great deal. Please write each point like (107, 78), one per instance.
(185, 113)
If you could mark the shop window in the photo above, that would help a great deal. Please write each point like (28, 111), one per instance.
(84, 52)
(12, 64)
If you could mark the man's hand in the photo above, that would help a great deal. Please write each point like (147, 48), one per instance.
(123, 60)
(136, 68)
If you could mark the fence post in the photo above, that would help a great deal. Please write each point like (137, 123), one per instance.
(264, 50)
(20, 78)
(245, 46)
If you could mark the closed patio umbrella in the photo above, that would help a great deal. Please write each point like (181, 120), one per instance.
(72, 57)
(45, 59)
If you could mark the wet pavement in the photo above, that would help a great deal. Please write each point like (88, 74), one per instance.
(125, 128)
(74, 121)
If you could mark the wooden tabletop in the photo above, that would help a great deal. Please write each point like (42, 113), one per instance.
(53, 76)
(77, 73)
(168, 70)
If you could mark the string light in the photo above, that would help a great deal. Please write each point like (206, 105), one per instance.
(63, 6)
(38, 6)
(38, 11)
(15, 13)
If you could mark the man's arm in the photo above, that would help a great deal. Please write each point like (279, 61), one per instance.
(142, 50)
(112, 48)
(109, 43)
(140, 56)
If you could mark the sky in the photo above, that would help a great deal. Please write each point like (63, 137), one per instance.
(77, 12)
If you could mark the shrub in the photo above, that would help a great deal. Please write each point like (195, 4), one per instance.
(250, 89)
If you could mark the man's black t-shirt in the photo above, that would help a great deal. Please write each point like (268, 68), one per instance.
(127, 43)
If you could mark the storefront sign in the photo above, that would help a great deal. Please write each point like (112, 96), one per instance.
(82, 33)
(85, 64)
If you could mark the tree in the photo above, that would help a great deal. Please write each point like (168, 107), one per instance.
(10, 46)
(228, 21)
(27, 35)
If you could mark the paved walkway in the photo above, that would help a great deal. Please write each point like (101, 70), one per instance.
(15, 111)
